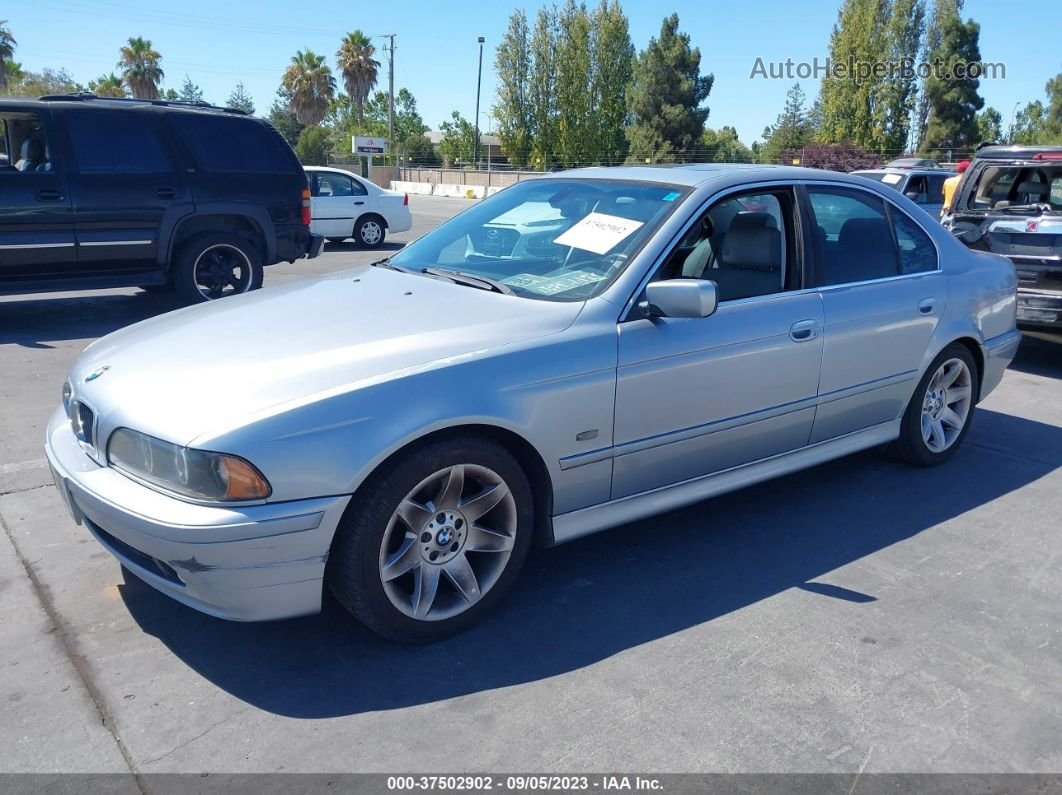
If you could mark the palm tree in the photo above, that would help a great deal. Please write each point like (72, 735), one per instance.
(7, 51)
(140, 67)
(107, 86)
(359, 68)
(309, 82)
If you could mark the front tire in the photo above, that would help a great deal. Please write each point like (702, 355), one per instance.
(216, 265)
(433, 540)
(370, 231)
(939, 414)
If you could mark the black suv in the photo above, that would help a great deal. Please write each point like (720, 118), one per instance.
(1010, 202)
(112, 193)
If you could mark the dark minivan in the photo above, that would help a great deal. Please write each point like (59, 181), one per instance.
(112, 193)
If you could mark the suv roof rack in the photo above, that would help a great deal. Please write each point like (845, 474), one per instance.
(85, 96)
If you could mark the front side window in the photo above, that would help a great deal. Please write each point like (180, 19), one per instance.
(740, 243)
(327, 185)
(550, 239)
(115, 143)
(853, 239)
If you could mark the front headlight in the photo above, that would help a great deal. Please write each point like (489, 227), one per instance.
(198, 474)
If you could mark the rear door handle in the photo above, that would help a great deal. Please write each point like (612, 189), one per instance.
(926, 305)
(804, 330)
(359, 203)
(49, 195)
(166, 193)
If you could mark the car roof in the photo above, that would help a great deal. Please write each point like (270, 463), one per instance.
(126, 103)
(933, 172)
(999, 152)
(696, 174)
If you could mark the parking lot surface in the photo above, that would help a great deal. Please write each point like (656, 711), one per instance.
(859, 616)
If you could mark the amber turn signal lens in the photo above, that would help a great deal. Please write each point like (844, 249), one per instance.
(242, 481)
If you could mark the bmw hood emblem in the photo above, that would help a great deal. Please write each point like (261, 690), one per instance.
(97, 373)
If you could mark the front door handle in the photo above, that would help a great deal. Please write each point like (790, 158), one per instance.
(926, 305)
(49, 195)
(804, 330)
(359, 203)
(166, 193)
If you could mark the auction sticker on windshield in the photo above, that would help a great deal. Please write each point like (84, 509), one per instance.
(551, 285)
(599, 233)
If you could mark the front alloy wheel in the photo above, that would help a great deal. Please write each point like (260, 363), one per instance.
(447, 542)
(433, 539)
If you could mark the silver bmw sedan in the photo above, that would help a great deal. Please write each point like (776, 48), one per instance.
(573, 353)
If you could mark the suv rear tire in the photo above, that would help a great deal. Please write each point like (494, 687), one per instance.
(215, 265)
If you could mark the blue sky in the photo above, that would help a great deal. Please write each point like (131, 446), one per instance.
(218, 45)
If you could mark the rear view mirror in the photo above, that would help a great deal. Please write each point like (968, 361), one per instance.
(680, 298)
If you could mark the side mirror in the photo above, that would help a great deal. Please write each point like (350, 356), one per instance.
(680, 298)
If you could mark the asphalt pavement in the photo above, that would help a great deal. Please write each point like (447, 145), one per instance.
(862, 616)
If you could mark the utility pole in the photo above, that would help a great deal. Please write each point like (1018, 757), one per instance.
(479, 82)
(391, 100)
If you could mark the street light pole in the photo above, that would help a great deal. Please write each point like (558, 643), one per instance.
(479, 82)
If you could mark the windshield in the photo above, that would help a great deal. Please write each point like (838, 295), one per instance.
(550, 239)
(1029, 188)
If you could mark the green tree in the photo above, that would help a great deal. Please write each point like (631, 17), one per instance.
(458, 140)
(894, 100)
(953, 99)
(666, 96)
(310, 86)
(239, 99)
(358, 67)
(141, 68)
(1053, 121)
(313, 146)
(513, 110)
(7, 52)
(107, 86)
(1029, 125)
(282, 119)
(990, 126)
(791, 130)
(858, 38)
(723, 146)
(13, 72)
(612, 71)
(45, 82)
(575, 110)
(171, 95)
(544, 88)
(190, 92)
(930, 44)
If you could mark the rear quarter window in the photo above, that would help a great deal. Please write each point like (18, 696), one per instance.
(221, 143)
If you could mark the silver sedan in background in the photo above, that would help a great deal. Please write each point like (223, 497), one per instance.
(576, 352)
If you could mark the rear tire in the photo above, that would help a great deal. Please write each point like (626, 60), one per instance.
(433, 540)
(370, 231)
(215, 265)
(938, 417)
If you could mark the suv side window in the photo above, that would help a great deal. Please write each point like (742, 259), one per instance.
(115, 143)
(853, 238)
(743, 243)
(25, 146)
(225, 143)
(917, 252)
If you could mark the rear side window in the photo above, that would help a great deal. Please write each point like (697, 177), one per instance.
(221, 143)
(917, 252)
(852, 236)
(116, 143)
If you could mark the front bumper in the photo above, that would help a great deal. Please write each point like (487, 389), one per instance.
(245, 563)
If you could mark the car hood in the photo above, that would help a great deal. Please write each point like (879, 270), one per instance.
(213, 367)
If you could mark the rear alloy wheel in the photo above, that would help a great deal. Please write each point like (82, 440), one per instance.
(938, 416)
(434, 541)
(369, 232)
(217, 265)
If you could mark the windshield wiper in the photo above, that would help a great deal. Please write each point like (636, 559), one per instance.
(460, 277)
(386, 263)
